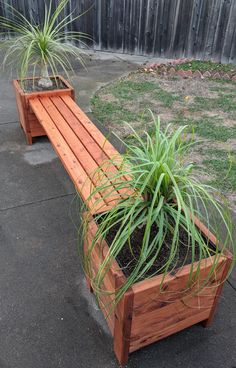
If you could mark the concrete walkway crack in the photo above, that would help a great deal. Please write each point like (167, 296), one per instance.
(8, 122)
(37, 202)
(232, 286)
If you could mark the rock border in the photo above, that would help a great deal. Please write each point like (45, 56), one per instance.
(169, 69)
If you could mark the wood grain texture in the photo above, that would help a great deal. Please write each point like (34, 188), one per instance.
(113, 276)
(152, 310)
(154, 336)
(165, 28)
(28, 120)
(157, 313)
(123, 323)
(64, 122)
(68, 158)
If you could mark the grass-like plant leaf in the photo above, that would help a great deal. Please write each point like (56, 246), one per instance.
(46, 47)
(165, 195)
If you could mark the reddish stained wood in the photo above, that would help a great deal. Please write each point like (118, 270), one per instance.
(208, 234)
(28, 121)
(104, 144)
(114, 267)
(102, 141)
(52, 93)
(123, 324)
(159, 335)
(171, 282)
(227, 267)
(146, 315)
(88, 137)
(89, 152)
(69, 160)
(75, 124)
(109, 151)
(170, 314)
(98, 255)
(149, 296)
(84, 156)
(22, 111)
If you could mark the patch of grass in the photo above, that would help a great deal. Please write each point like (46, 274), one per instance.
(224, 81)
(111, 111)
(130, 89)
(166, 98)
(213, 129)
(224, 89)
(209, 128)
(222, 165)
(206, 66)
(114, 112)
(225, 102)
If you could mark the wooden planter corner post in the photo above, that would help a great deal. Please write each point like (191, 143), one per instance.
(150, 311)
(28, 120)
(123, 324)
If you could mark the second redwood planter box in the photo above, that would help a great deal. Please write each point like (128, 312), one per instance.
(28, 120)
(147, 314)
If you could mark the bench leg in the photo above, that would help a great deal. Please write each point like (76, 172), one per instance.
(122, 326)
(29, 139)
(209, 320)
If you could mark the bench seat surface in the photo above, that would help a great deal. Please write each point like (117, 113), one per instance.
(82, 148)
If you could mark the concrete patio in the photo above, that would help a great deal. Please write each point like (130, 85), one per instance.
(48, 319)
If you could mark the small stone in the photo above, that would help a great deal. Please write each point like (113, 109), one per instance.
(188, 73)
(179, 61)
(152, 66)
(226, 76)
(197, 74)
(157, 66)
(163, 69)
(172, 71)
(207, 74)
(181, 73)
(234, 78)
(216, 75)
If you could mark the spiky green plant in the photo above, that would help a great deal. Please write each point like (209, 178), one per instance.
(47, 46)
(166, 196)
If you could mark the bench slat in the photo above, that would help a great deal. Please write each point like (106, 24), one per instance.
(85, 158)
(88, 157)
(111, 153)
(102, 141)
(87, 134)
(69, 160)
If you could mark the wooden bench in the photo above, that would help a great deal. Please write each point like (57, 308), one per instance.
(81, 147)
(89, 159)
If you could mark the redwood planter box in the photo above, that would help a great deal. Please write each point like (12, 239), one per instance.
(145, 314)
(28, 120)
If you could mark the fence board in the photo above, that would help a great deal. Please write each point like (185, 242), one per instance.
(167, 28)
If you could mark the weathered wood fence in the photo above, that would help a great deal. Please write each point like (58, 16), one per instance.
(169, 28)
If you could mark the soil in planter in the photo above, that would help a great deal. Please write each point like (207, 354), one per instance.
(127, 260)
(31, 85)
